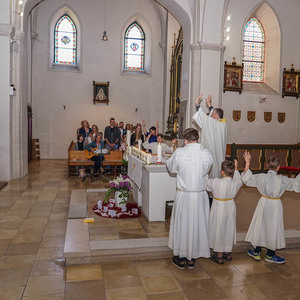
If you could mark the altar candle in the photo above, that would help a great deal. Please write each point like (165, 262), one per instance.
(159, 153)
(149, 159)
(128, 137)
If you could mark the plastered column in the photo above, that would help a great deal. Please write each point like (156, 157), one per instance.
(5, 101)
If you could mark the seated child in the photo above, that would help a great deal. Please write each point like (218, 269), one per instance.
(267, 228)
(123, 144)
(223, 211)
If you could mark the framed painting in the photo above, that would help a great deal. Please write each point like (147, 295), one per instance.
(233, 77)
(290, 82)
(101, 92)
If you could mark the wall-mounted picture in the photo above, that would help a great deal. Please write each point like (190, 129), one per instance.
(233, 77)
(290, 82)
(101, 92)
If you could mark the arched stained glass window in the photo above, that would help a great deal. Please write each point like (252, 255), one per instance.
(134, 48)
(65, 42)
(253, 51)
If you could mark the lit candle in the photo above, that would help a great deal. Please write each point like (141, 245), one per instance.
(128, 137)
(159, 153)
(140, 144)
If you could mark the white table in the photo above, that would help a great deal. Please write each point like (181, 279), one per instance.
(158, 187)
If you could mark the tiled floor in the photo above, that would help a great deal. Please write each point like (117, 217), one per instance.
(33, 217)
(127, 228)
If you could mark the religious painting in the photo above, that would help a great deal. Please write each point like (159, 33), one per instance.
(233, 77)
(268, 117)
(251, 116)
(101, 92)
(281, 117)
(290, 82)
(236, 115)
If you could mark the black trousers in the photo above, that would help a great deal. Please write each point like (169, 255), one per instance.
(269, 253)
(98, 162)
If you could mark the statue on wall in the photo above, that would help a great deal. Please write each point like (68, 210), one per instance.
(100, 95)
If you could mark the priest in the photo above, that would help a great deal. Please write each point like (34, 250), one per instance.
(189, 227)
(213, 133)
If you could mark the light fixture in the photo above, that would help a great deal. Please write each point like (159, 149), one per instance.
(20, 2)
(104, 37)
(228, 29)
(228, 18)
(21, 14)
(227, 38)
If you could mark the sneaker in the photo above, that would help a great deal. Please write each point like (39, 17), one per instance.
(254, 255)
(190, 264)
(274, 259)
(178, 262)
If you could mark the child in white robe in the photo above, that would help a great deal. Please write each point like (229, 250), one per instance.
(267, 228)
(223, 211)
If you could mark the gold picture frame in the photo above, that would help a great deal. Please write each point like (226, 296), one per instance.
(233, 77)
(290, 82)
(101, 92)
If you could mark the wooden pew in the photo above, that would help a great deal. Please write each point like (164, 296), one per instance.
(77, 158)
(289, 155)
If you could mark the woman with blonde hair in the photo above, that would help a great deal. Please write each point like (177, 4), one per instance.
(138, 134)
(85, 131)
(93, 133)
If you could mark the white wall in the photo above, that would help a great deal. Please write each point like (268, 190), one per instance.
(259, 131)
(100, 61)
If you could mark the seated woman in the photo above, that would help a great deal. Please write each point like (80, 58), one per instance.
(164, 147)
(93, 133)
(85, 130)
(137, 135)
(98, 158)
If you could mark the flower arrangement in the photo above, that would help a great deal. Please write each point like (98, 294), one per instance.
(121, 184)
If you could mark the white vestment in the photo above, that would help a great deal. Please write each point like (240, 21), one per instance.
(189, 227)
(267, 228)
(214, 138)
(223, 212)
(153, 147)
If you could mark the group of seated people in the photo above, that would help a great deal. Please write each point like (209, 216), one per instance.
(115, 137)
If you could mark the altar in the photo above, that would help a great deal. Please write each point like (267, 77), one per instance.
(153, 186)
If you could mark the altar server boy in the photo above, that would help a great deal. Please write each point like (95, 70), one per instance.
(223, 211)
(266, 228)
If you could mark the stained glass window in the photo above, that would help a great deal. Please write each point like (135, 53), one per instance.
(65, 42)
(253, 51)
(134, 48)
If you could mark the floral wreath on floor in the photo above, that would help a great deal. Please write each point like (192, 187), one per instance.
(121, 184)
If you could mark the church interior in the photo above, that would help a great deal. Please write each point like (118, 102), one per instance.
(64, 62)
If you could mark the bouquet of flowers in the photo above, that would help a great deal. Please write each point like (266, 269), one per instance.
(121, 184)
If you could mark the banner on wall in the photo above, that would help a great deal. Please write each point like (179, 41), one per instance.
(251, 116)
(268, 116)
(281, 117)
(236, 115)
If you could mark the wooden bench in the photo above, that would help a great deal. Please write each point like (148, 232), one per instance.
(77, 158)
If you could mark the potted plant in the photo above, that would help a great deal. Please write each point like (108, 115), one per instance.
(121, 186)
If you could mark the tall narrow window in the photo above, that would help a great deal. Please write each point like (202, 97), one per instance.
(253, 51)
(65, 42)
(134, 48)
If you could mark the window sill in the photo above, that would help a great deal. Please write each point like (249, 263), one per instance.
(135, 73)
(258, 88)
(67, 68)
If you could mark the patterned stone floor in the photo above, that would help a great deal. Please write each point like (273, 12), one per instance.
(33, 218)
